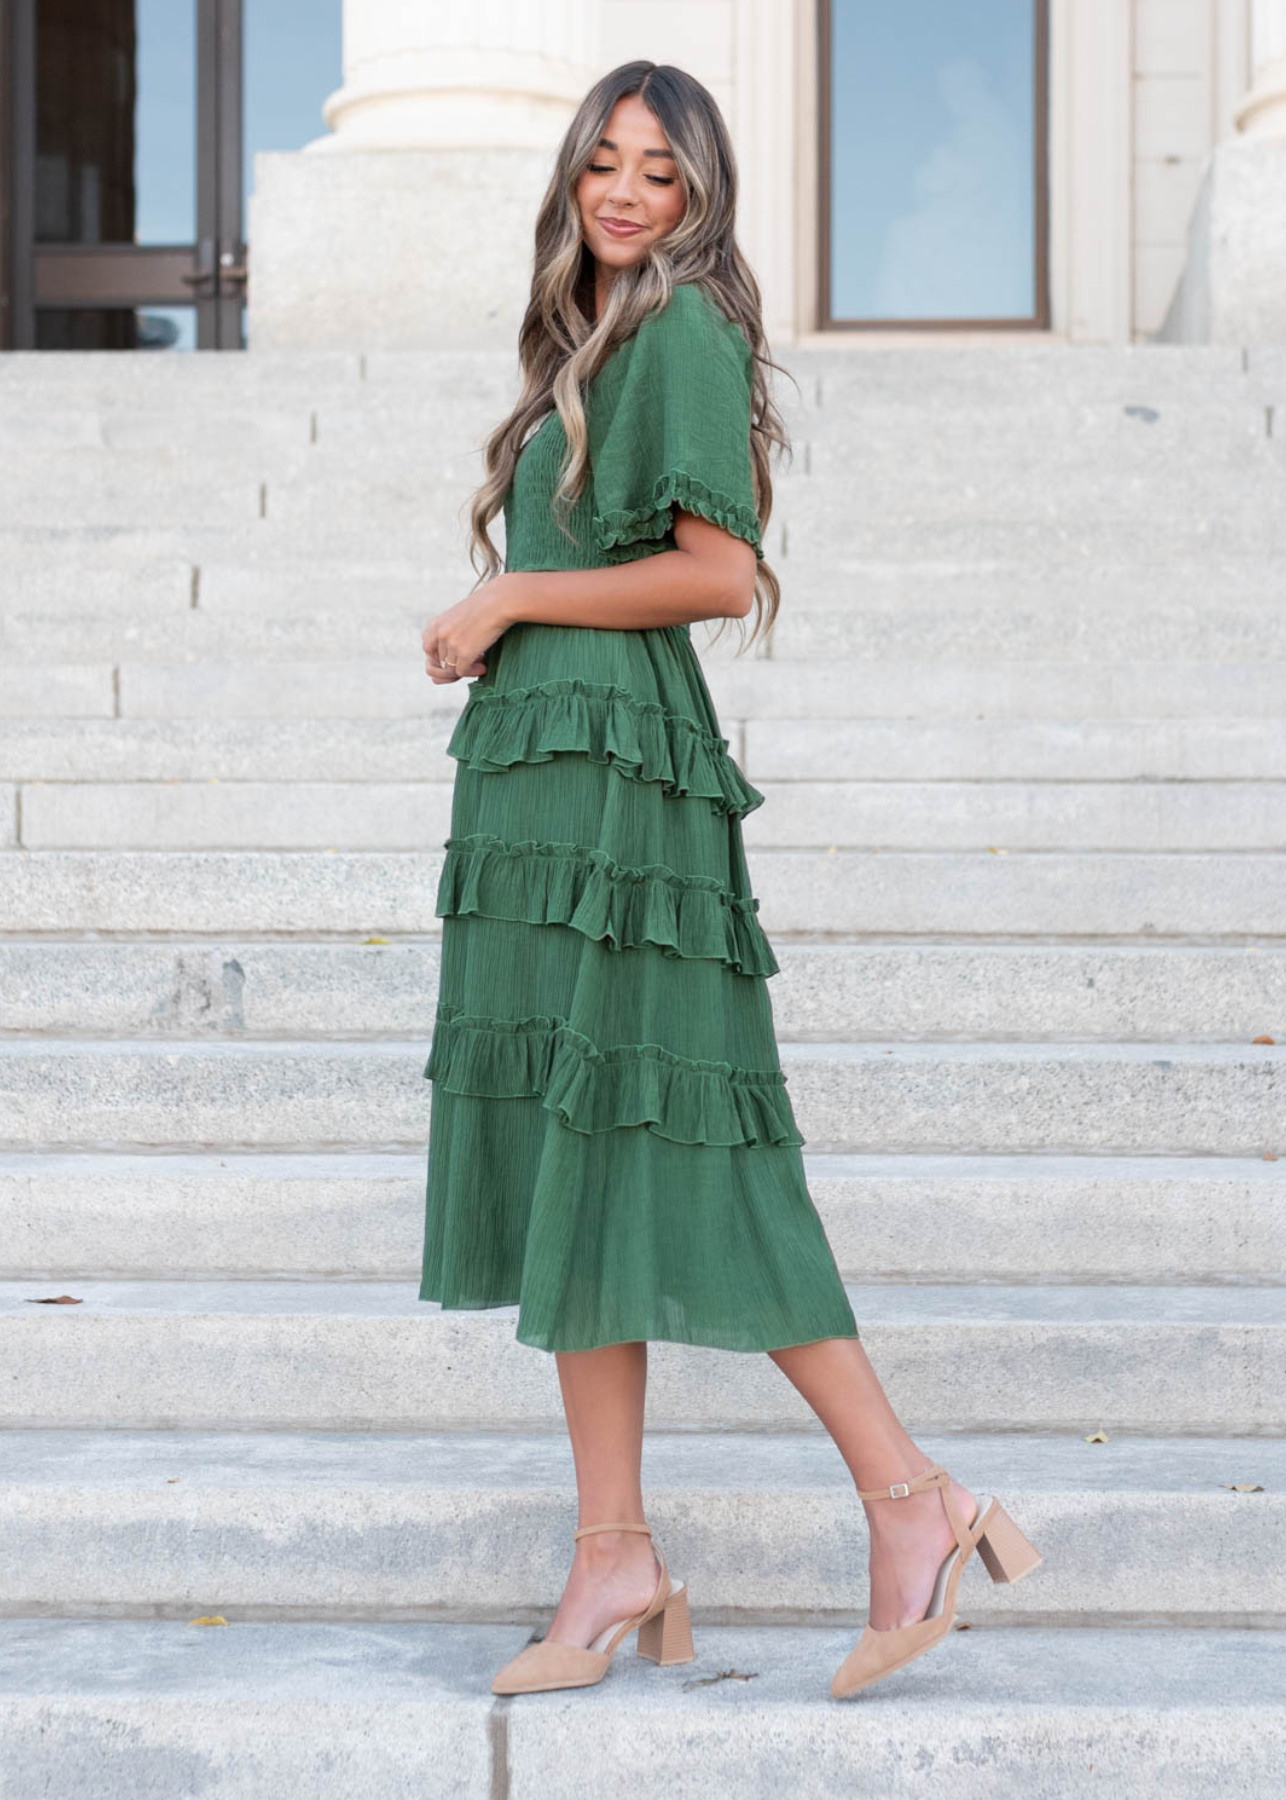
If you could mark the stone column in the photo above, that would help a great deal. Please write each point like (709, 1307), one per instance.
(1233, 289)
(410, 225)
(1262, 114)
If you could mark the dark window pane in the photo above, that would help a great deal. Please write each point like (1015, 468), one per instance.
(115, 121)
(115, 328)
(932, 160)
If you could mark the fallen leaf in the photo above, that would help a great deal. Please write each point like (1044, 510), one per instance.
(1098, 1437)
(1270, 1156)
(209, 1619)
(375, 940)
(55, 1300)
(1263, 1038)
(723, 1675)
(170, 1480)
(1244, 1487)
(964, 1626)
(992, 851)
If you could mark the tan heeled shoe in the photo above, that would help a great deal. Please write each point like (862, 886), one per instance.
(664, 1628)
(1007, 1554)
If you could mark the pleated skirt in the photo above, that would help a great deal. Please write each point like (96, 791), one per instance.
(612, 1148)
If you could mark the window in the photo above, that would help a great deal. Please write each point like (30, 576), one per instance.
(933, 160)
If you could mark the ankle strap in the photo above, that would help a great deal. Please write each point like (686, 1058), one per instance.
(625, 1525)
(934, 1477)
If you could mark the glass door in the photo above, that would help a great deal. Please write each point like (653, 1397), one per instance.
(132, 127)
(131, 168)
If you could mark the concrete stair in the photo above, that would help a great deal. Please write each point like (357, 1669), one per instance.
(397, 1712)
(1022, 732)
(468, 1525)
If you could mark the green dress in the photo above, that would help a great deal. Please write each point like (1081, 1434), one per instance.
(611, 1143)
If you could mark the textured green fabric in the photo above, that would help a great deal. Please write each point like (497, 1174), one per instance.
(611, 1143)
(669, 424)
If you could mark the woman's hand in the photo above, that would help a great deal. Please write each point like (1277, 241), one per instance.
(453, 642)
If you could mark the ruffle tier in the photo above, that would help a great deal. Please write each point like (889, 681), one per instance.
(583, 887)
(616, 532)
(593, 1090)
(642, 739)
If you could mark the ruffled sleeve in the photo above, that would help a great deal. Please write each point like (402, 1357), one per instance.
(669, 427)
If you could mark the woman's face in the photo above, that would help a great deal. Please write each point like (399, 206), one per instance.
(632, 178)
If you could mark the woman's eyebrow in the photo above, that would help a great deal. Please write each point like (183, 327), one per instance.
(609, 145)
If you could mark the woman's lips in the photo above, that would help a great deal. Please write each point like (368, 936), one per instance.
(619, 227)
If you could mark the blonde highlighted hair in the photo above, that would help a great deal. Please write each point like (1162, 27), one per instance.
(562, 345)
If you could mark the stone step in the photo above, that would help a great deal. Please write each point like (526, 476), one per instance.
(898, 1218)
(984, 432)
(139, 377)
(62, 422)
(1149, 1099)
(803, 749)
(1085, 635)
(764, 1527)
(1017, 474)
(1177, 434)
(987, 894)
(228, 814)
(870, 1098)
(993, 378)
(854, 635)
(879, 990)
(1028, 749)
(1143, 693)
(270, 568)
(1046, 518)
(129, 488)
(894, 515)
(387, 1712)
(342, 521)
(1017, 376)
(57, 690)
(369, 418)
(1019, 459)
(354, 1356)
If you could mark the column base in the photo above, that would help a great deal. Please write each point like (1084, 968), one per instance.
(392, 249)
(1233, 288)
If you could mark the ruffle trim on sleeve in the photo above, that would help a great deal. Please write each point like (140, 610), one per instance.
(615, 532)
(592, 1090)
(640, 738)
(581, 886)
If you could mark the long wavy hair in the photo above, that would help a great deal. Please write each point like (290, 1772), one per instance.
(562, 345)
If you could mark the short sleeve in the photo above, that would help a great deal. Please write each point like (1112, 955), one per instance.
(669, 427)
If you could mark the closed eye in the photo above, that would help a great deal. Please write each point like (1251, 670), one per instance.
(606, 169)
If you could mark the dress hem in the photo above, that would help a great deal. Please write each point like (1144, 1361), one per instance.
(658, 1337)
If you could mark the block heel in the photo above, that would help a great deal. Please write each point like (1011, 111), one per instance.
(664, 1628)
(666, 1637)
(1006, 1554)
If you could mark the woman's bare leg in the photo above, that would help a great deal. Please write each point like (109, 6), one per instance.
(909, 1535)
(613, 1573)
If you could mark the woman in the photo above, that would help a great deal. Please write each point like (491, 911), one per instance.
(611, 1144)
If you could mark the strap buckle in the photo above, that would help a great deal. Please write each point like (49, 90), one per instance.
(899, 1490)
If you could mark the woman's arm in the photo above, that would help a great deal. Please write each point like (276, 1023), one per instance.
(710, 575)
